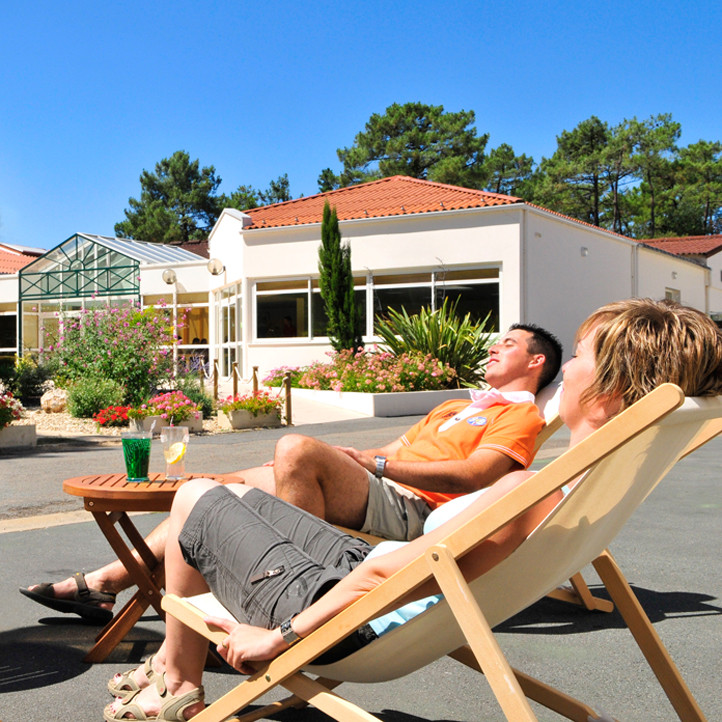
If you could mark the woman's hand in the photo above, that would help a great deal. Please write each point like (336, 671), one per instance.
(245, 643)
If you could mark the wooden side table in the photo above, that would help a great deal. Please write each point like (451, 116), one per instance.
(109, 498)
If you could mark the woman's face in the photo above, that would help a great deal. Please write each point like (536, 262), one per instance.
(577, 375)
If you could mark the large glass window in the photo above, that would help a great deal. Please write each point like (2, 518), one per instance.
(282, 307)
(319, 319)
(282, 315)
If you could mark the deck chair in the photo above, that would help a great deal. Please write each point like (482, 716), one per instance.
(576, 591)
(620, 465)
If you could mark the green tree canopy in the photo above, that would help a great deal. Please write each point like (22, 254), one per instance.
(506, 172)
(414, 139)
(177, 202)
(571, 180)
(246, 197)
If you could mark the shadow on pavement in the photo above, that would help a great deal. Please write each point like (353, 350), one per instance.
(550, 616)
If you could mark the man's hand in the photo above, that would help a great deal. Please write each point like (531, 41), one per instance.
(362, 458)
(245, 643)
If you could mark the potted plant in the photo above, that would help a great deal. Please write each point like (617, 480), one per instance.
(250, 410)
(172, 408)
(112, 417)
(14, 435)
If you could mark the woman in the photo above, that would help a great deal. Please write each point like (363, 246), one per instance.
(272, 564)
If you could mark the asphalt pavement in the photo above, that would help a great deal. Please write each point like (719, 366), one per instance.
(669, 551)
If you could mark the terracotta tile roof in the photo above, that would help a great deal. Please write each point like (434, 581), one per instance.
(393, 196)
(687, 245)
(12, 261)
(200, 248)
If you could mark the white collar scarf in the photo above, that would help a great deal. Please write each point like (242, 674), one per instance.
(481, 400)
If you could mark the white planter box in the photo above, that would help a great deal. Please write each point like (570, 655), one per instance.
(14, 436)
(407, 403)
(192, 424)
(243, 419)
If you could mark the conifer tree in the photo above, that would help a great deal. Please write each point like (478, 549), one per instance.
(336, 285)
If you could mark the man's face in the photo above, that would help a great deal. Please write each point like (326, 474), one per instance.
(510, 361)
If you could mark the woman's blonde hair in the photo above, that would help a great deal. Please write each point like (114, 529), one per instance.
(640, 344)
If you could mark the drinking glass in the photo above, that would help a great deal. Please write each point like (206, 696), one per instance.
(175, 442)
(136, 451)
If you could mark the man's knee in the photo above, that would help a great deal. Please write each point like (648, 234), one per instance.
(295, 448)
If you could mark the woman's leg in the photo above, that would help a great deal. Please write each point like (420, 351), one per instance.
(183, 653)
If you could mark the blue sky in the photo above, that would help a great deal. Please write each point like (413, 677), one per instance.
(93, 93)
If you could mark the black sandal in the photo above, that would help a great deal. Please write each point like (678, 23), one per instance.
(85, 601)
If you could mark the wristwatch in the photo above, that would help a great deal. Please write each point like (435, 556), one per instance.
(289, 636)
(380, 466)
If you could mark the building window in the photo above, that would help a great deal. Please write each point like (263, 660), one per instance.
(8, 332)
(294, 308)
(673, 294)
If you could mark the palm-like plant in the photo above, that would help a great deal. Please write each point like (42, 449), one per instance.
(461, 343)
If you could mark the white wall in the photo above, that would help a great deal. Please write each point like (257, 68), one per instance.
(8, 288)
(659, 271)
(191, 277)
(715, 287)
(561, 285)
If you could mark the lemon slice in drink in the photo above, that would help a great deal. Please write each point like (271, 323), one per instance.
(175, 452)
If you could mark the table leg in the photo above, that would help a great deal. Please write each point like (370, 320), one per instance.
(149, 582)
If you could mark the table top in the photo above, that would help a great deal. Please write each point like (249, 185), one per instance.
(113, 492)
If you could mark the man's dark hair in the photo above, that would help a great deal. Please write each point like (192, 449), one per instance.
(543, 342)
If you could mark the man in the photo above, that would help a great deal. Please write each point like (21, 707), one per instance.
(457, 448)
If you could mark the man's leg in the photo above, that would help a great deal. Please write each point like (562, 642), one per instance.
(113, 577)
(321, 479)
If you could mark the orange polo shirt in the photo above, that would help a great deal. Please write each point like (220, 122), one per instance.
(509, 428)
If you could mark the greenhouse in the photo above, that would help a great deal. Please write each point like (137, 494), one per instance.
(87, 271)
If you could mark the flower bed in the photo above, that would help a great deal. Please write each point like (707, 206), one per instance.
(250, 410)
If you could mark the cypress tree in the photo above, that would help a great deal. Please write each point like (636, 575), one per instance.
(336, 284)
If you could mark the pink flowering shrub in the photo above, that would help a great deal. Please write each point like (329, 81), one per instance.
(379, 372)
(260, 402)
(10, 409)
(127, 343)
(173, 406)
(275, 377)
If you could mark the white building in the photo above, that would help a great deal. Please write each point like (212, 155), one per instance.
(414, 242)
(256, 302)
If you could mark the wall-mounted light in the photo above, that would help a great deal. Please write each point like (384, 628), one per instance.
(169, 276)
(215, 267)
(585, 251)
(674, 274)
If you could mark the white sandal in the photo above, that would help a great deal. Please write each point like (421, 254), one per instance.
(171, 711)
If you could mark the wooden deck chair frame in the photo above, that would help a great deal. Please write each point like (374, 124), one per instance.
(577, 591)
(622, 462)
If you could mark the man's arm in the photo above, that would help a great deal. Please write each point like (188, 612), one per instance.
(482, 468)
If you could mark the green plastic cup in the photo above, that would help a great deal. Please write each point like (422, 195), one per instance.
(136, 451)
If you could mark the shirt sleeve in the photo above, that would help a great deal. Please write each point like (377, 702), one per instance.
(513, 432)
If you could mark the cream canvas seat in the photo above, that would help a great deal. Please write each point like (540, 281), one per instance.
(621, 464)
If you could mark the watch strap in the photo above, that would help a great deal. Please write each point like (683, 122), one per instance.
(380, 466)
(289, 636)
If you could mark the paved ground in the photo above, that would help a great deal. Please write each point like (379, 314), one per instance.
(669, 551)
